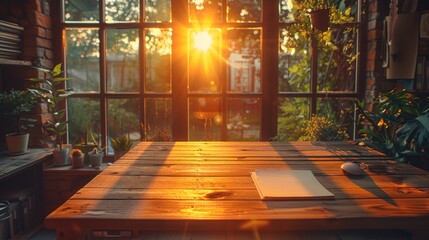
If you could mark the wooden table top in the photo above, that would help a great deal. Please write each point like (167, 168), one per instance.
(207, 186)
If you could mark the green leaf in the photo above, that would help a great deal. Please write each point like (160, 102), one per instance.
(424, 120)
(57, 70)
(38, 80)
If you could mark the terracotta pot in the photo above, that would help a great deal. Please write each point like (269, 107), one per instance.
(17, 143)
(320, 19)
(77, 162)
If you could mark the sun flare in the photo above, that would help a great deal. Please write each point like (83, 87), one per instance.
(202, 41)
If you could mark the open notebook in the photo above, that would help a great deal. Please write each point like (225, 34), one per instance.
(289, 185)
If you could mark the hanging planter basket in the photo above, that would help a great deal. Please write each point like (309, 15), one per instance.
(320, 19)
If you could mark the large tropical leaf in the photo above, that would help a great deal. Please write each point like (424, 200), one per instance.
(414, 134)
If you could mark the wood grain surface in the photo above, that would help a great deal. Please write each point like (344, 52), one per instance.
(206, 186)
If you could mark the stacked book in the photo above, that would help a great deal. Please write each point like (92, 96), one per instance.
(10, 39)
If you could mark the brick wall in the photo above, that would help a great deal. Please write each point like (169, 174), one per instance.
(375, 74)
(37, 47)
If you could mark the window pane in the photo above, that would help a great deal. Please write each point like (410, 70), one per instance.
(204, 61)
(81, 10)
(122, 10)
(157, 10)
(205, 10)
(290, 11)
(337, 61)
(82, 53)
(123, 118)
(158, 60)
(122, 60)
(84, 121)
(286, 9)
(205, 119)
(294, 61)
(244, 10)
(291, 117)
(158, 119)
(244, 60)
(244, 119)
(349, 11)
(338, 110)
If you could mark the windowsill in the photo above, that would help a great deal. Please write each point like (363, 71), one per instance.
(69, 170)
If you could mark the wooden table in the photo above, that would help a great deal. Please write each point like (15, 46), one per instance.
(204, 190)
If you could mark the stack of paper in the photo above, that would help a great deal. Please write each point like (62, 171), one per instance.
(289, 184)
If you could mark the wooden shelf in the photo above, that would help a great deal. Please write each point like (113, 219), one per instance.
(14, 62)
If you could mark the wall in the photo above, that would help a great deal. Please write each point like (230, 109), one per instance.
(375, 76)
(37, 47)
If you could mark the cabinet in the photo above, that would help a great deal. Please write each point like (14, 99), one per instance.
(61, 182)
(21, 184)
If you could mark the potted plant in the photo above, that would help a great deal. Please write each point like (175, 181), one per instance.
(96, 157)
(51, 90)
(398, 126)
(76, 157)
(121, 145)
(13, 105)
(87, 143)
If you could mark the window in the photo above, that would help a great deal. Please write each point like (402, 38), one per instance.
(204, 70)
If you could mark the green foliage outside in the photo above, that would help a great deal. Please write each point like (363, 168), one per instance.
(84, 120)
(319, 128)
(335, 69)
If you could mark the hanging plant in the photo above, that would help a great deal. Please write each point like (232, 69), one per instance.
(319, 14)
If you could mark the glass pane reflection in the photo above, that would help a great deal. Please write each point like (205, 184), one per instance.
(81, 11)
(337, 64)
(294, 61)
(340, 111)
(244, 60)
(205, 10)
(122, 60)
(82, 53)
(244, 10)
(244, 119)
(292, 114)
(205, 119)
(122, 10)
(158, 60)
(158, 119)
(84, 121)
(123, 118)
(157, 10)
(204, 61)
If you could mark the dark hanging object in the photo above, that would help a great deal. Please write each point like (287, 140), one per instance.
(320, 19)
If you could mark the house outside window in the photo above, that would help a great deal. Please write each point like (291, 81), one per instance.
(234, 70)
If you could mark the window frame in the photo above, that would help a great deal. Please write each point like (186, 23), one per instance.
(269, 94)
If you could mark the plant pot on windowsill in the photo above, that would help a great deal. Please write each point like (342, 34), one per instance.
(76, 157)
(96, 157)
(61, 157)
(121, 145)
(320, 19)
(86, 149)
